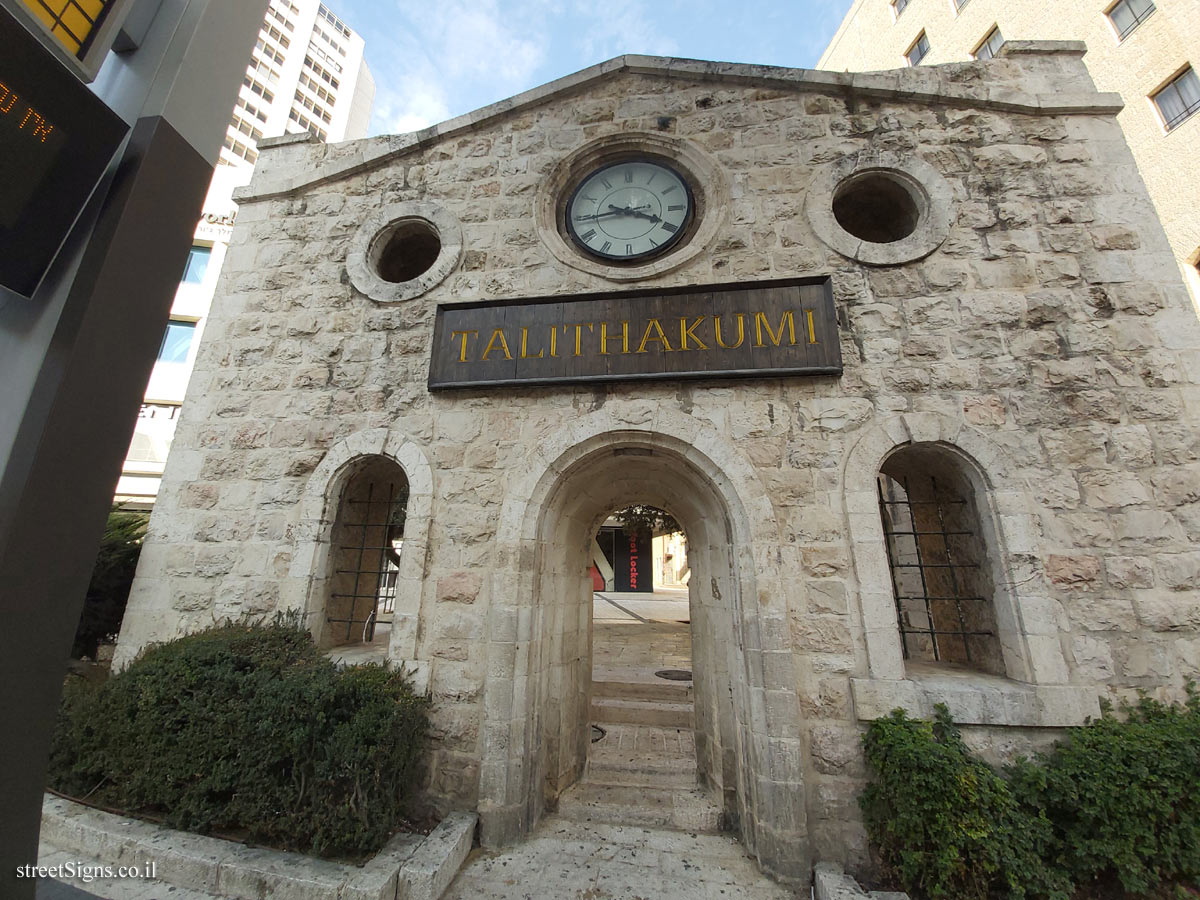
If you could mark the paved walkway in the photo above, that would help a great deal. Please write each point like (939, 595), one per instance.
(103, 888)
(574, 861)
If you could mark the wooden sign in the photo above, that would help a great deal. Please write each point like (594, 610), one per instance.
(785, 327)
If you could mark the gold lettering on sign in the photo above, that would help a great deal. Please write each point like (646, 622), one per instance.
(812, 329)
(7, 98)
(462, 353)
(760, 323)
(553, 341)
(689, 331)
(578, 326)
(524, 340)
(605, 337)
(498, 333)
(653, 326)
(741, 329)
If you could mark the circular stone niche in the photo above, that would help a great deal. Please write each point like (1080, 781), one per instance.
(876, 207)
(403, 251)
(890, 211)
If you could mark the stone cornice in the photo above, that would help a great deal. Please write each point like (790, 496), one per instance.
(921, 85)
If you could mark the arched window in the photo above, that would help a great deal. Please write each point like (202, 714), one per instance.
(941, 573)
(367, 538)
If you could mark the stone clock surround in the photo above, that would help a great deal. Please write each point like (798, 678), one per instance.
(1046, 341)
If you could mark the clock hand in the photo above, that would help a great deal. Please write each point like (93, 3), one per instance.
(642, 215)
(627, 209)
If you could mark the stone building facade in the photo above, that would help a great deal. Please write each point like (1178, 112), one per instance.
(1134, 49)
(1015, 341)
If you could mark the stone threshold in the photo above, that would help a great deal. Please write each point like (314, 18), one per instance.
(409, 867)
(831, 883)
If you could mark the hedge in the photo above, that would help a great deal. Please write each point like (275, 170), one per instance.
(248, 729)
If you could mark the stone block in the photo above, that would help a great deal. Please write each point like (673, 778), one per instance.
(430, 869)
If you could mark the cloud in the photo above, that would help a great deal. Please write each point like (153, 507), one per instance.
(445, 58)
(618, 27)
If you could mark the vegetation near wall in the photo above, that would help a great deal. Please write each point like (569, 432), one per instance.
(1112, 810)
(248, 729)
(112, 576)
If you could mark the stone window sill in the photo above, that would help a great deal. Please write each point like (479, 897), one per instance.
(974, 698)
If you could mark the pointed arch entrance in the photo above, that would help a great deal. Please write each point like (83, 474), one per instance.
(536, 721)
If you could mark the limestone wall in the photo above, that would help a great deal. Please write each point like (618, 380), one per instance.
(1048, 337)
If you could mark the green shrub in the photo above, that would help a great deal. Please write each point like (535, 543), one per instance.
(112, 576)
(248, 728)
(1112, 810)
(1123, 796)
(943, 822)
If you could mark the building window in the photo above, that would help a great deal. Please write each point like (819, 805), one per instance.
(990, 45)
(333, 20)
(279, 17)
(1127, 15)
(177, 342)
(240, 124)
(1179, 99)
(74, 23)
(276, 34)
(257, 88)
(918, 51)
(939, 563)
(197, 265)
(898, 7)
(252, 110)
(367, 538)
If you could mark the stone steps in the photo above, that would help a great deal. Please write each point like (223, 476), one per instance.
(678, 809)
(678, 773)
(660, 713)
(669, 691)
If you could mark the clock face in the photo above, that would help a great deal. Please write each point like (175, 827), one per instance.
(629, 210)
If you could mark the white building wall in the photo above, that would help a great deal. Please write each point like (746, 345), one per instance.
(310, 31)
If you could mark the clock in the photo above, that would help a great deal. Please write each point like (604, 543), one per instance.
(630, 210)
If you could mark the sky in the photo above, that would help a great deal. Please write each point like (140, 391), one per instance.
(436, 59)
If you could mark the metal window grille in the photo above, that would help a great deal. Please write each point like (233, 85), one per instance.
(371, 529)
(991, 45)
(74, 22)
(918, 51)
(1127, 15)
(1180, 99)
(931, 573)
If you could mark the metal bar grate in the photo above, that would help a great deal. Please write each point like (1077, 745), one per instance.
(370, 529)
(918, 537)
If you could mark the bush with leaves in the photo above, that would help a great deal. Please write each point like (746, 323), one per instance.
(1123, 797)
(944, 822)
(248, 728)
(112, 576)
(1111, 810)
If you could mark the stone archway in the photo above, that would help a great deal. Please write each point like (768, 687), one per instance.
(539, 656)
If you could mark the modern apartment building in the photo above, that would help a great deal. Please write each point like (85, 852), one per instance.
(1145, 50)
(306, 73)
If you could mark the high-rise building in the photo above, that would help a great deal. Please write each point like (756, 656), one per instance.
(306, 73)
(1144, 50)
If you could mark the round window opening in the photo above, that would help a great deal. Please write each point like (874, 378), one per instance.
(406, 250)
(877, 207)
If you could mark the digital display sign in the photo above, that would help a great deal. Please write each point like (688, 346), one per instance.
(56, 139)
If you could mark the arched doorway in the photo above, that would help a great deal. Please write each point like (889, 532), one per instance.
(537, 721)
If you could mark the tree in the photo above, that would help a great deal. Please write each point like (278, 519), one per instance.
(641, 519)
(112, 577)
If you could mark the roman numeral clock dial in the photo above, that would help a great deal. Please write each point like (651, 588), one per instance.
(631, 210)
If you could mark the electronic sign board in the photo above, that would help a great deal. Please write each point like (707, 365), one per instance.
(56, 139)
